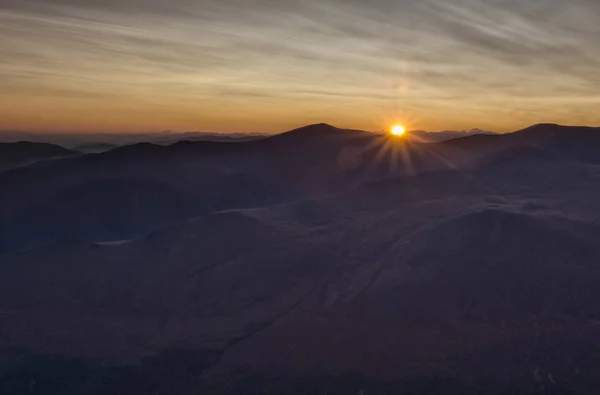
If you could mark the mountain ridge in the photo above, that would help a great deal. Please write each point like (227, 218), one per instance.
(24, 152)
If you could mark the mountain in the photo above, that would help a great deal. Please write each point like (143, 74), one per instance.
(320, 131)
(451, 274)
(104, 209)
(575, 143)
(171, 138)
(22, 153)
(318, 260)
(505, 281)
(436, 137)
(75, 139)
(307, 162)
(95, 147)
(208, 176)
(569, 142)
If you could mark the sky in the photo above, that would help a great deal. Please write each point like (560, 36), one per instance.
(271, 65)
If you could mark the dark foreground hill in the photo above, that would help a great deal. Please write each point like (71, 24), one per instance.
(469, 279)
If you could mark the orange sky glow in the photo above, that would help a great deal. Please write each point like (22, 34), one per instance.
(222, 66)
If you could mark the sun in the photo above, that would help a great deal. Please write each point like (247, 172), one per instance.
(398, 130)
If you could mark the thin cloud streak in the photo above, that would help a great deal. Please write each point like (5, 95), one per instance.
(457, 63)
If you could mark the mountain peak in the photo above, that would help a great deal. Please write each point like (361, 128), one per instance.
(540, 127)
(316, 131)
(544, 129)
(316, 128)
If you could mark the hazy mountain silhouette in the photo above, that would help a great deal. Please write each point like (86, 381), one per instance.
(171, 138)
(76, 139)
(317, 252)
(22, 153)
(436, 137)
(95, 147)
(319, 131)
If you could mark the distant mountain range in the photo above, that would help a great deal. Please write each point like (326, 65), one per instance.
(318, 260)
(98, 142)
(91, 142)
(434, 137)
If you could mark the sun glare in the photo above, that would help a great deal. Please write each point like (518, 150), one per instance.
(398, 130)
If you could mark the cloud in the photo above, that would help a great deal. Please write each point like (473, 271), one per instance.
(479, 53)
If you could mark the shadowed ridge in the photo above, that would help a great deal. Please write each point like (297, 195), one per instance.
(539, 130)
(552, 129)
(473, 146)
(26, 147)
(539, 127)
(152, 151)
(235, 225)
(396, 192)
(489, 253)
(96, 147)
(311, 134)
(308, 134)
(418, 187)
(518, 155)
(24, 152)
(577, 143)
(134, 150)
(319, 130)
(155, 151)
(100, 210)
(530, 166)
(475, 137)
